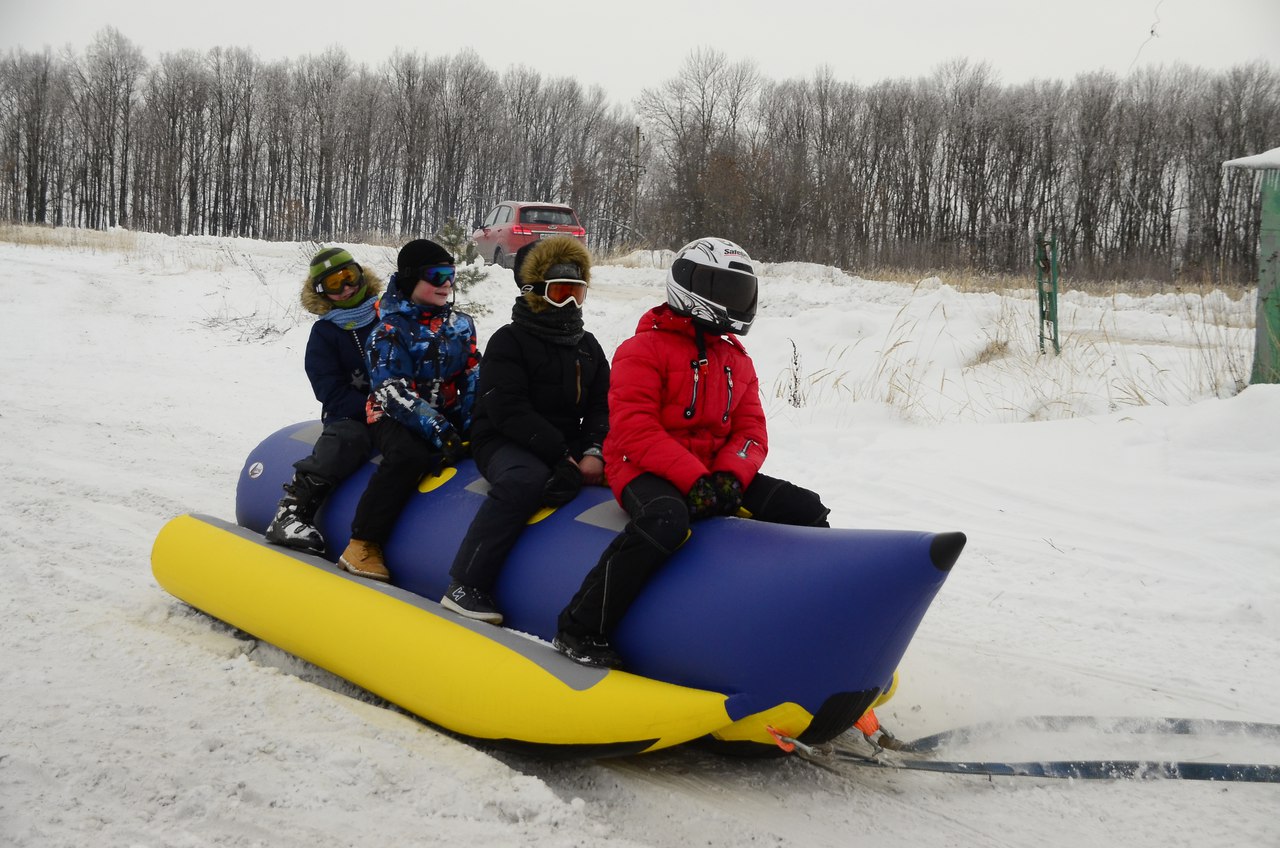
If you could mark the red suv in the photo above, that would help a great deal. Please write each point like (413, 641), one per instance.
(512, 224)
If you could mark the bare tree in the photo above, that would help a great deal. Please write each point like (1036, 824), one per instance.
(174, 93)
(104, 90)
(696, 118)
(951, 169)
(32, 113)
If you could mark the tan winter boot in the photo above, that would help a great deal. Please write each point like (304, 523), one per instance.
(364, 559)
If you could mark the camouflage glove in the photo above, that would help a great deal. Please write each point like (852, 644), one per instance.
(728, 492)
(396, 393)
(437, 428)
(702, 499)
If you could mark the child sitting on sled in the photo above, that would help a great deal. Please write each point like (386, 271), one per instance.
(686, 438)
(344, 296)
(423, 364)
(541, 417)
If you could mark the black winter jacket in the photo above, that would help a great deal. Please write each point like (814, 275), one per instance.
(550, 399)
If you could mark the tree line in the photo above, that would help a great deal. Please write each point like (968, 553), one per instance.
(952, 170)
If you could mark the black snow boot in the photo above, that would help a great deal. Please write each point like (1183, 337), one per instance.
(588, 649)
(294, 522)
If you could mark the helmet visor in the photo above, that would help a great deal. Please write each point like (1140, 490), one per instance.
(734, 290)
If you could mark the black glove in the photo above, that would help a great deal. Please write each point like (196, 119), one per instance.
(728, 492)
(452, 450)
(702, 498)
(563, 484)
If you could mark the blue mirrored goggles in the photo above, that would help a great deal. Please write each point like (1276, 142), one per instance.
(438, 275)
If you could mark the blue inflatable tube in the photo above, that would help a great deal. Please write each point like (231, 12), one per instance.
(798, 628)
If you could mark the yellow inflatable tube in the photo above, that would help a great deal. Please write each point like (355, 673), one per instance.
(471, 678)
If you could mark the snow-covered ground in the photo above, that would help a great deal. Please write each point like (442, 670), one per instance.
(1124, 559)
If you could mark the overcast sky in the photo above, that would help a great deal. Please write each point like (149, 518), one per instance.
(626, 47)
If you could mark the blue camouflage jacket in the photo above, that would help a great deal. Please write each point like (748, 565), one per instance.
(423, 365)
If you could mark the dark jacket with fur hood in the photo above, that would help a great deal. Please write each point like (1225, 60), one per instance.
(335, 360)
(547, 397)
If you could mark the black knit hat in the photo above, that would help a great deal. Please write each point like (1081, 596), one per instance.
(414, 256)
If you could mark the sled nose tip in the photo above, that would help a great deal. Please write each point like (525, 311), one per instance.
(945, 549)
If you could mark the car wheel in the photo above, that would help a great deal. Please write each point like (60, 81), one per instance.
(497, 257)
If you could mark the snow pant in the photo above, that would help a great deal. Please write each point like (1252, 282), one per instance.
(659, 525)
(343, 447)
(516, 479)
(406, 458)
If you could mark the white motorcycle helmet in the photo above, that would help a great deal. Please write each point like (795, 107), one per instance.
(714, 281)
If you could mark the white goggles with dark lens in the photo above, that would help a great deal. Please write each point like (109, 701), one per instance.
(559, 292)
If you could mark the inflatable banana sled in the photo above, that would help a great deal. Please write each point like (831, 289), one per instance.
(749, 630)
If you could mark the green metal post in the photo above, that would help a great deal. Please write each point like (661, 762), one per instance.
(1266, 351)
(1047, 289)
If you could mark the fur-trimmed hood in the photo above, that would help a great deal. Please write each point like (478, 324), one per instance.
(318, 304)
(540, 257)
(554, 251)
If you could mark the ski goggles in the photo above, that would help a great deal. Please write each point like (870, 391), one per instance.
(333, 282)
(438, 275)
(560, 292)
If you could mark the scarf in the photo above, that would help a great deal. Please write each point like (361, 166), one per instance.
(562, 326)
(356, 316)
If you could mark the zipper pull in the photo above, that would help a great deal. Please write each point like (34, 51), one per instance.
(693, 401)
(728, 376)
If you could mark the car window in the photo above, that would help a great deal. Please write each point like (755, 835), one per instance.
(504, 214)
(537, 215)
(492, 217)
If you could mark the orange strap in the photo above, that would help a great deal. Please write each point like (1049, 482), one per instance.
(868, 724)
(781, 739)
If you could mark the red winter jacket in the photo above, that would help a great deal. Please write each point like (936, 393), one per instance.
(677, 419)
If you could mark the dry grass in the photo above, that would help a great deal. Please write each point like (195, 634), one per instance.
(961, 279)
(898, 376)
(634, 258)
(974, 281)
(1005, 377)
(995, 349)
(94, 241)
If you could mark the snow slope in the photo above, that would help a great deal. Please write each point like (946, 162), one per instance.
(1120, 502)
